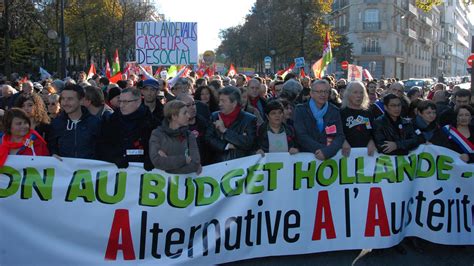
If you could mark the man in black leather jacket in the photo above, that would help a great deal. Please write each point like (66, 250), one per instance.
(394, 135)
(233, 132)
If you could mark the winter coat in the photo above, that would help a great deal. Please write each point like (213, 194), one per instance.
(176, 144)
(241, 134)
(401, 132)
(125, 138)
(307, 133)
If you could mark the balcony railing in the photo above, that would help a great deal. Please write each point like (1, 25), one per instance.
(428, 21)
(372, 26)
(412, 10)
(411, 33)
(371, 50)
(426, 41)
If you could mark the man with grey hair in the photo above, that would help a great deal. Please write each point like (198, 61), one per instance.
(253, 95)
(398, 88)
(318, 123)
(291, 89)
(233, 131)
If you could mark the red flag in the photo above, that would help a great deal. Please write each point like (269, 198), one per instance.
(288, 70)
(91, 71)
(115, 78)
(317, 68)
(208, 72)
(302, 74)
(107, 69)
(283, 73)
(232, 72)
(185, 71)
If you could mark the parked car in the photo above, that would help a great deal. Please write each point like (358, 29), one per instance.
(423, 83)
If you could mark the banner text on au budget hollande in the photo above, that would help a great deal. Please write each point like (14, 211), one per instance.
(250, 207)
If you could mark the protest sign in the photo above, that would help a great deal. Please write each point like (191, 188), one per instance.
(88, 212)
(354, 73)
(166, 43)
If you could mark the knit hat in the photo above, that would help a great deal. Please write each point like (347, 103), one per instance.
(113, 92)
(151, 83)
(58, 85)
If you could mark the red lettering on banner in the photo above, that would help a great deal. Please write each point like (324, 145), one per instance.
(120, 224)
(376, 206)
(323, 205)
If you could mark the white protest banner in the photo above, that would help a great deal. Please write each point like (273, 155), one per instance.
(166, 43)
(354, 73)
(86, 212)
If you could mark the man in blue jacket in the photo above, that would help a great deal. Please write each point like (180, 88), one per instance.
(318, 123)
(75, 131)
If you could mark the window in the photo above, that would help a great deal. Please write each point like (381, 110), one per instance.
(371, 15)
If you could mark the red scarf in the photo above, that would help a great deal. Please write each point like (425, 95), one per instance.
(254, 101)
(8, 145)
(230, 118)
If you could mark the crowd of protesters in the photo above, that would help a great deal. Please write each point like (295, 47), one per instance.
(193, 122)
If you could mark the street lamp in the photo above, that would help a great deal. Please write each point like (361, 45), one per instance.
(63, 43)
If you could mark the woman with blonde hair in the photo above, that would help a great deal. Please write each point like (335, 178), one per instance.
(356, 119)
(173, 148)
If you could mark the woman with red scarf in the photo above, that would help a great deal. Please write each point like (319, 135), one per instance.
(18, 137)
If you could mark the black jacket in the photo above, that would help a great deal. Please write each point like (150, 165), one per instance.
(241, 133)
(67, 139)
(400, 131)
(199, 130)
(125, 138)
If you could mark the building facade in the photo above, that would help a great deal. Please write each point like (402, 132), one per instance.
(393, 38)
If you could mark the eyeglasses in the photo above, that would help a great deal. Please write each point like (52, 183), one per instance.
(51, 104)
(127, 101)
(321, 92)
(394, 105)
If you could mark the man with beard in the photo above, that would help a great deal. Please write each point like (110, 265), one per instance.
(125, 136)
(75, 131)
(149, 90)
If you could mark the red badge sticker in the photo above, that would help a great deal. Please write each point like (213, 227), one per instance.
(331, 130)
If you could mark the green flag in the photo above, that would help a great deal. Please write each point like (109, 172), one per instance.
(327, 52)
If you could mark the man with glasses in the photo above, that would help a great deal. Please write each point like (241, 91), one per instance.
(198, 126)
(125, 136)
(318, 123)
(394, 135)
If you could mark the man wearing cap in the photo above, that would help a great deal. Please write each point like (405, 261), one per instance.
(149, 90)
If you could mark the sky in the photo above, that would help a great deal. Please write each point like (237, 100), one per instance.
(211, 16)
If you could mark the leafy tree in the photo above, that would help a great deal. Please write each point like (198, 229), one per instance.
(289, 29)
